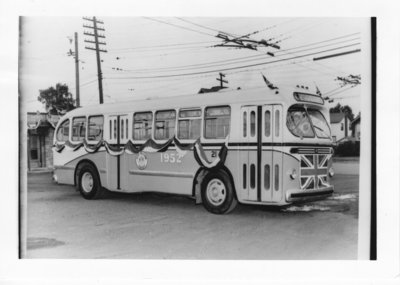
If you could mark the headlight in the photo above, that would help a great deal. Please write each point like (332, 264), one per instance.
(293, 175)
(331, 172)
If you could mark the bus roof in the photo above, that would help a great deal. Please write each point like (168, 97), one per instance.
(223, 97)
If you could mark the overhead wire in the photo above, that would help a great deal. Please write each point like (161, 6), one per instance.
(237, 67)
(216, 63)
(178, 26)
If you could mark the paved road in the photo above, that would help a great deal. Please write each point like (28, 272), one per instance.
(61, 224)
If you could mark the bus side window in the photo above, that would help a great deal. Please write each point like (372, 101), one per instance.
(122, 129)
(165, 124)
(277, 123)
(78, 128)
(267, 123)
(63, 131)
(244, 124)
(217, 122)
(115, 129)
(252, 123)
(95, 128)
(142, 125)
(110, 136)
(189, 124)
(126, 126)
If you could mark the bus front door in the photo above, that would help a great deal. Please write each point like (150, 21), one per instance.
(260, 163)
(272, 156)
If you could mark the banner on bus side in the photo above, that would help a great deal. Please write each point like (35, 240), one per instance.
(151, 146)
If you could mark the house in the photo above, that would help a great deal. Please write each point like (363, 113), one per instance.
(340, 126)
(40, 139)
(355, 128)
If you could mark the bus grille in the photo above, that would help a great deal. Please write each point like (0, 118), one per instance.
(314, 171)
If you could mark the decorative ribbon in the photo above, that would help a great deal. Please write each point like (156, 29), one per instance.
(151, 147)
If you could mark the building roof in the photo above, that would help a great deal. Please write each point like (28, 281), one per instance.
(336, 117)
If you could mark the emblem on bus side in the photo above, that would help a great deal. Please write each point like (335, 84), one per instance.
(141, 161)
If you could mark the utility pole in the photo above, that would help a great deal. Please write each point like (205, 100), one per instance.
(77, 70)
(222, 81)
(96, 41)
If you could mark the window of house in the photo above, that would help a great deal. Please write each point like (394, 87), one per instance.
(189, 124)
(95, 128)
(34, 147)
(142, 125)
(341, 126)
(78, 128)
(63, 131)
(165, 124)
(217, 122)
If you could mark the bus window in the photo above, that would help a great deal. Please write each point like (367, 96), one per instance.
(266, 177)
(252, 176)
(267, 123)
(110, 129)
(63, 132)
(252, 123)
(126, 126)
(122, 129)
(189, 124)
(277, 123)
(244, 124)
(217, 122)
(78, 128)
(142, 125)
(95, 128)
(115, 129)
(165, 124)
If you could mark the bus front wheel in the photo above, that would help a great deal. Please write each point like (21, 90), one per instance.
(217, 193)
(89, 182)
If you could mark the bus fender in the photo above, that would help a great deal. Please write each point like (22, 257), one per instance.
(76, 173)
(201, 173)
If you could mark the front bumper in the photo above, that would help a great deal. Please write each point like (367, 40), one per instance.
(304, 195)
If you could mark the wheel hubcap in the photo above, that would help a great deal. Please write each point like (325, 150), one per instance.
(216, 192)
(87, 182)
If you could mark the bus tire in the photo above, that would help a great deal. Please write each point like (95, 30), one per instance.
(217, 193)
(89, 182)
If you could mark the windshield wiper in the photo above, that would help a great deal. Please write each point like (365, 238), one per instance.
(322, 130)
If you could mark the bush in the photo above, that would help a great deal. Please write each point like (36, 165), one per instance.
(348, 148)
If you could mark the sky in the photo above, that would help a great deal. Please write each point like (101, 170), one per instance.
(151, 57)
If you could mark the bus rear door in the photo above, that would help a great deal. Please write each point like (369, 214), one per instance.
(117, 136)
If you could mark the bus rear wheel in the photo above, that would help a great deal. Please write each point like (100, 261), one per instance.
(217, 193)
(89, 182)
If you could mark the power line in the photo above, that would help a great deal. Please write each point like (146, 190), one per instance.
(163, 46)
(217, 63)
(177, 26)
(238, 67)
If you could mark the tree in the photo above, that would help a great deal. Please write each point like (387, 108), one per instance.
(343, 109)
(57, 100)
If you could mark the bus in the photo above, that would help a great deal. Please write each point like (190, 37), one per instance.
(258, 146)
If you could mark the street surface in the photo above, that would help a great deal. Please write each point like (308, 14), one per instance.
(61, 224)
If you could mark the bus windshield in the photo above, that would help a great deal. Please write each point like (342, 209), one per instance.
(306, 123)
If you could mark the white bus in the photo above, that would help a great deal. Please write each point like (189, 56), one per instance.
(256, 146)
